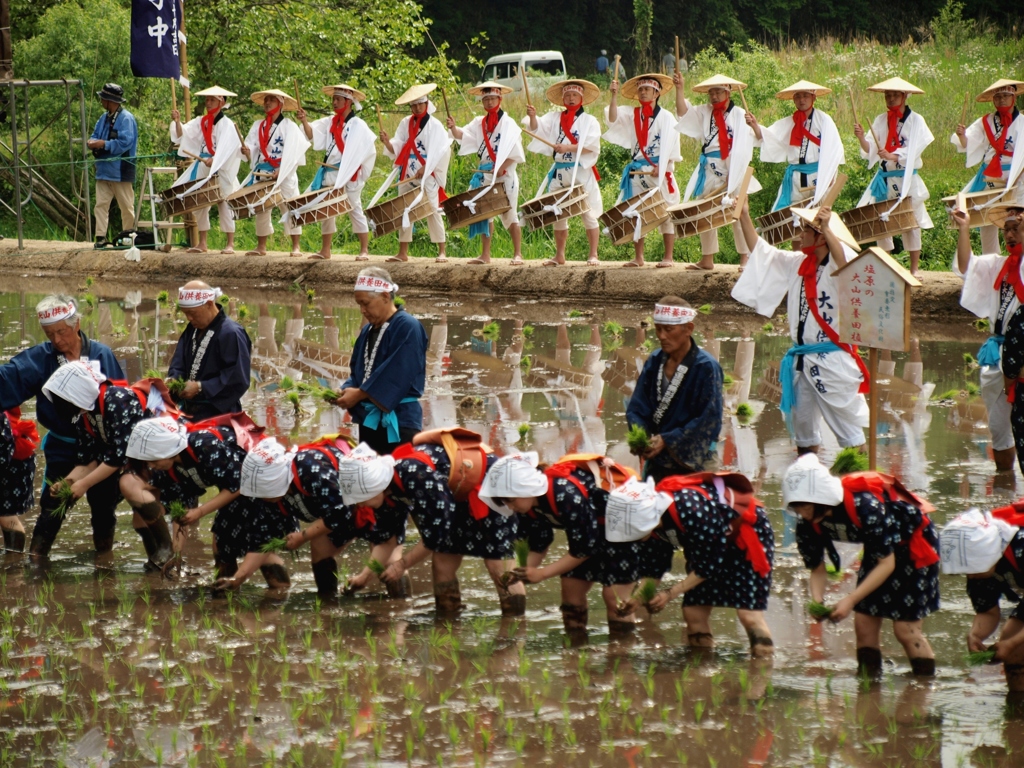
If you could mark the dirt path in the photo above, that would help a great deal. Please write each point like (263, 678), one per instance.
(937, 300)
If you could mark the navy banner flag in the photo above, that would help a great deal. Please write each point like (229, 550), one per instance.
(155, 43)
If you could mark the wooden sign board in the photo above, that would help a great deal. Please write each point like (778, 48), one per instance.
(874, 294)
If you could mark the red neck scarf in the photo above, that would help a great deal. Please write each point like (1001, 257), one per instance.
(265, 128)
(416, 125)
(338, 126)
(567, 119)
(206, 123)
(1011, 272)
(892, 138)
(643, 116)
(994, 169)
(490, 125)
(724, 140)
(809, 272)
(796, 136)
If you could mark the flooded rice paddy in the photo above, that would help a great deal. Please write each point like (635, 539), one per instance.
(103, 664)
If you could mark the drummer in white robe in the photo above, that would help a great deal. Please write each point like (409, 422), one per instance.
(212, 140)
(577, 139)
(497, 142)
(727, 146)
(649, 132)
(905, 136)
(808, 142)
(820, 377)
(421, 150)
(993, 288)
(349, 156)
(275, 147)
(989, 143)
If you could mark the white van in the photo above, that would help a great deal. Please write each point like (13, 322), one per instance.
(542, 69)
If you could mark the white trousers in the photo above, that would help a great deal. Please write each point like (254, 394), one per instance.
(359, 226)
(846, 418)
(264, 221)
(227, 218)
(709, 241)
(998, 408)
(911, 241)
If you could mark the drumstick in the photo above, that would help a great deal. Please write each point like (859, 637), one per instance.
(444, 97)
(328, 165)
(743, 98)
(857, 121)
(262, 175)
(615, 76)
(186, 153)
(526, 87)
(677, 54)
(174, 96)
(538, 138)
(963, 114)
(380, 121)
(298, 101)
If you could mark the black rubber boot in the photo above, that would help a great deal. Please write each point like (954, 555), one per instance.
(448, 597)
(43, 535)
(923, 667)
(869, 663)
(149, 543)
(14, 542)
(760, 645)
(513, 605)
(276, 576)
(150, 511)
(325, 574)
(224, 569)
(616, 627)
(164, 545)
(103, 541)
(400, 589)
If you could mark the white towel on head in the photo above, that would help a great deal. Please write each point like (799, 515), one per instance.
(808, 481)
(77, 382)
(634, 509)
(513, 477)
(267, 470)
(156, 439)
(363, 474)
(973, 542)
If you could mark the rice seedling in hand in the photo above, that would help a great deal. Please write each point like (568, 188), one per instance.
(818, 610)
(849, 460)
(328, 395)
(65, 497)
(646, 590)
(524, 432)
(175, 387)
(637, 439)
(153, 373)
(176, 511)
(376, 567)
(977, 658)
(522, 551)
(273, 546)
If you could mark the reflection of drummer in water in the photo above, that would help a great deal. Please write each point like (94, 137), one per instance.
(650, 133)
(275, 148)
(347, 141)
(576, 137)
(497, 141)
(200, 138)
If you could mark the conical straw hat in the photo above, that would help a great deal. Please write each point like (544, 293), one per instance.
(290, 105)
(719, 81)
(330, 89)
(835, 225)
(215, 90)
(415, 93)
(895, 84)
(1000, 85)
(998, 214)
(631, 87)
(590, 91)
(802, 85)
(490, 85)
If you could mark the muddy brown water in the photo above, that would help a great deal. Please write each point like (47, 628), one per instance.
(101, 663)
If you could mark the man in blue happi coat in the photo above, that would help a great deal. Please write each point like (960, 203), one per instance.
(114, 143)
(23, 378)
(389, 366)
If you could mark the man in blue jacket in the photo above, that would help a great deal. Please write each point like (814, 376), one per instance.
(23, 378)
(114, 143)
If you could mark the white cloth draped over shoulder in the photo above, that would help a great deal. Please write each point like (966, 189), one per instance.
(775, 148)
(662, 142)
(587, 137)
(979, 151)
(510, 146)
(288, 143)
(360, 150)
(698, 123)
(435, 148)
(226, 151)
(978, 295)
(914, 138)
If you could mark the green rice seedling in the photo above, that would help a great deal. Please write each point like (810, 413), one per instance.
(744, 412)
(973, 390)
(153, 373)
(977, 658)
(89, 282)
(399, 301)
(982, 324)
(727, 380)
(176, 511)
(574, 313)
(637, 439)
(613, 329)
(491, 331)
(528, 331)
(243, 312)
(310, 296)
(287, 383)
(175, 387)
(328, 395)
(274, 546)
(161, 298)
(65, 497)
(524, 432)
(89, 300)
(849, 460)
(295, 399)
(646, 590)
(969, 360)
(223, 299)
(767, 327)
(818, 610)
(376, 567)
(836, 574)
(522, 551)
(705, 309)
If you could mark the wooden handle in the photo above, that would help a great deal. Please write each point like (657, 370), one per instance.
(832, 193)
(526, 86)
(677, 55)
(963, 114)
(444, 97)
(615, 75)
(744, 100)
(380, 121)
(298, 101)
(538, 138)
(856, 119)
(174, 95)
(241, 138)
(329, 166)
(186, 153)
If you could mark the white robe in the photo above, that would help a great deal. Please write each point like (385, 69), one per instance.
(226, 151)
(980, 152)
(699, 124)
(914, 137)
(287, 143)
(586, 133)
(434, 146)
(360, 151)
(662, 142)
(507, 143)
(772, 273)
(775, 148)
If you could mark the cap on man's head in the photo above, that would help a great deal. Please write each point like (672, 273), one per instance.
(112, 92)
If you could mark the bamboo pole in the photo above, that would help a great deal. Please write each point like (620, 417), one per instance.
(183, 59)
(538, 138)
(380, 120)
(856, 120)
(444, 97)
(677, 55)
(298, 100)
(526, 86)
(615, 75)
(963, 113)
(743, 98)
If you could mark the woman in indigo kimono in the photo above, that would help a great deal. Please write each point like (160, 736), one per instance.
(389, 365)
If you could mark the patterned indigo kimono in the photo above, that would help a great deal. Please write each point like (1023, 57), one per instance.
(218, 357)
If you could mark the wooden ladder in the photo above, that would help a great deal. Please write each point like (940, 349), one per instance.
(147, 194)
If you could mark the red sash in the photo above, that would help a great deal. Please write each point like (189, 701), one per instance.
(1010, 272)
(488, 126)
(206, 124)
(643, 116)
(892, 138)
(994, 169)
(264, 136)
(409, 148)
(724, 140)
(26, 436)
(1014, 515)
(799, 132)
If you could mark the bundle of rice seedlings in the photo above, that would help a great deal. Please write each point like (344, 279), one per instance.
(243, 312)
(646, 591)
(161, 298)
(153, 373)
(522, 550)
(328, 395)
(65, 496)
(744, 411)
(274, 546)
(977, 658)
(524, 431)
(491, 331)
(176, 511)
(637, 439)
(376, 567)
(287, 383)
(849, 460)
(527, 331)
(818, 610)
(704, 309)
(613, 329)
(294, 399)
(175, 387)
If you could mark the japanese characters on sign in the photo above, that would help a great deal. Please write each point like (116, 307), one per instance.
(875, 298)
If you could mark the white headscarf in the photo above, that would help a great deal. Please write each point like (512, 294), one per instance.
(513, 477)
(363, 474)
(808, 481)
(973, 542)
(76, 382)
(267, 470)
(634, 510)
(156, 439)
(196, 297)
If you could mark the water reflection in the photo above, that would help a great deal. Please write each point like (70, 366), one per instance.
(116, 665)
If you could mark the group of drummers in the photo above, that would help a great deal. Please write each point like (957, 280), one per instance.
(650, 196)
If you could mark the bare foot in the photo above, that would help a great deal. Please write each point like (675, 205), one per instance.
(362, 257)
(665, 264)
(440, 259)
(196, 250)
(296, 254)
(228, 251)
(705, 265)
(517, 260)
(397, 258)
(633, 263)
(319, 256)
(552, 263)
(593, 261)
(481, 260)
